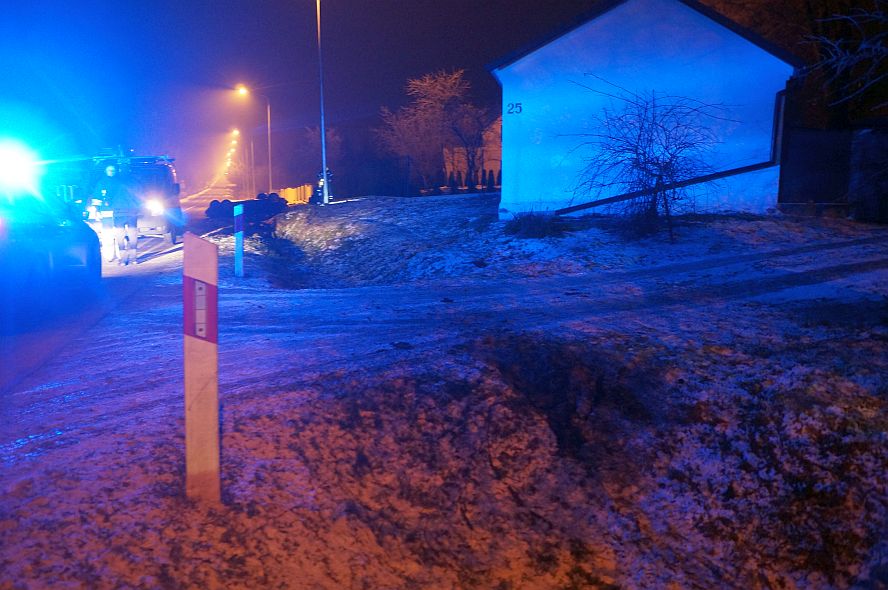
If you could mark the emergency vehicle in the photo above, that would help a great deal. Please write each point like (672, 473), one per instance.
(45, 246)
(153, 181)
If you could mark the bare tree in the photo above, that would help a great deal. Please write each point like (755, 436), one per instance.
(648, 144)
(408, 134)
(439, 91)
(854, 55)
(438, 116)
(467, 125)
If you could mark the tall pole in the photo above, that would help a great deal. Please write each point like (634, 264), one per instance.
(252, 169)
(244, 91)
(323, 126)
(268, 112)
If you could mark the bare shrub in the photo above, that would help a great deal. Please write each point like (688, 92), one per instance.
(648, 144)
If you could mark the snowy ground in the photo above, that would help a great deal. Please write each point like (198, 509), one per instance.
(413, 399)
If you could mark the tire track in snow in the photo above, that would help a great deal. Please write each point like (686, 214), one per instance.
(367, 320)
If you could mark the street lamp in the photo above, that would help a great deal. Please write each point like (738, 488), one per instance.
(244, 91)
(323, 127)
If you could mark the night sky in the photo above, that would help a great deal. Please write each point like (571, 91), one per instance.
(156, 76)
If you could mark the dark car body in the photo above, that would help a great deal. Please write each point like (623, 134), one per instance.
(45, 249)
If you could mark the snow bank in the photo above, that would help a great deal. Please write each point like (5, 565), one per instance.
(468, 410)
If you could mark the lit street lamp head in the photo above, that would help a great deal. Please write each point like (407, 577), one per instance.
(244, 91)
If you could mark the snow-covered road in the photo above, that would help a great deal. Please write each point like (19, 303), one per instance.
(113, 394)
(126, 367)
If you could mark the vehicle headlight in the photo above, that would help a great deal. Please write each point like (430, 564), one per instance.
(154, 206)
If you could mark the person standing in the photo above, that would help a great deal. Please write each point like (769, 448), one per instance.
(114, 193)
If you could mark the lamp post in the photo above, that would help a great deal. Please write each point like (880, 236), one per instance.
(244, 91)
(247, 180)
(249, 161)
(323, 126)
(252, 168)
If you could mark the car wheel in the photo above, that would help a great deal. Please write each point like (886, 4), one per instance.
(94, 268)
(21, 305)
(7, 308)
(40, 284)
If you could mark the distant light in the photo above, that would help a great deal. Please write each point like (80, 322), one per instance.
(19, 168)
(235, 132)
(233, 142)
(242, 90)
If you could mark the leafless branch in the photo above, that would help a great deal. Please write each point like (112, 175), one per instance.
(854, 59)
(643, 142)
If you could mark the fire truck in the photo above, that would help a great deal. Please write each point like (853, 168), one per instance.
(152, 179)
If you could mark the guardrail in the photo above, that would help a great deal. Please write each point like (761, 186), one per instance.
(665, 187)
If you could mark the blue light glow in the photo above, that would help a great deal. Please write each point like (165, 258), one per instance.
(20, 169)
(554, 99)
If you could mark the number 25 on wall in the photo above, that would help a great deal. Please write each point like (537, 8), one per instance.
(513, 108)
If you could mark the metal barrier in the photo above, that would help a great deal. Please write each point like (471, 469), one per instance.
(297, 196)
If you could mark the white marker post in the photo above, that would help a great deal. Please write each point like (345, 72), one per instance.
(201, 328)
(239, 240)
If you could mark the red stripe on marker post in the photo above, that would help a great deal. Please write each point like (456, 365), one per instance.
(201, 335)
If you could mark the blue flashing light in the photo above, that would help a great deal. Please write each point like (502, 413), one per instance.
(20, 169)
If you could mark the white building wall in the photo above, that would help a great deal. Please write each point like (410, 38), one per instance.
(641, 46)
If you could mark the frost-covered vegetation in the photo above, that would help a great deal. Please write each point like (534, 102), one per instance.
(468, 409)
